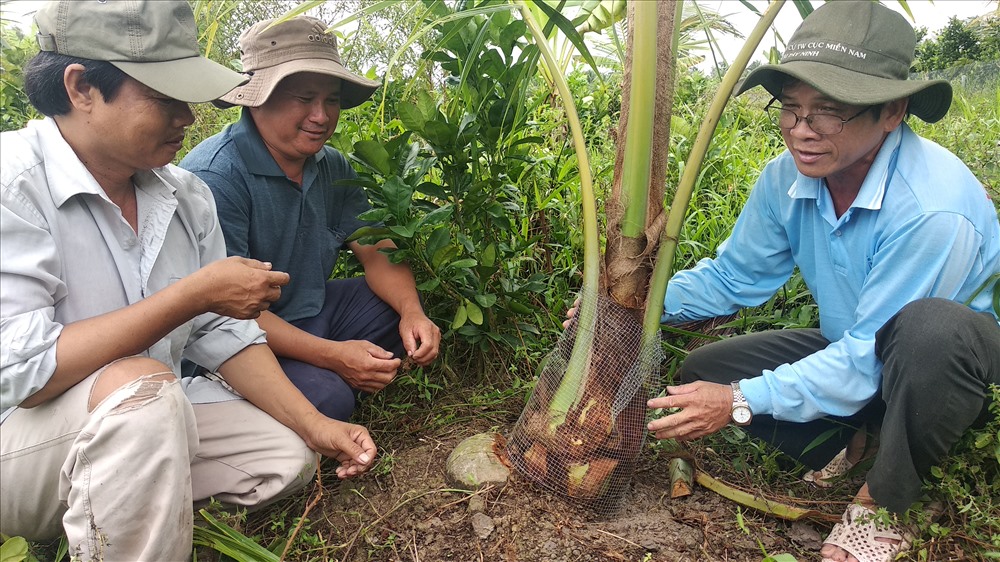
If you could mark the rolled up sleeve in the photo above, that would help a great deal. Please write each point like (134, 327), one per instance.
(29, 288)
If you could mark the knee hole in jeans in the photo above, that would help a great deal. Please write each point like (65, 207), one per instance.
(119, 374)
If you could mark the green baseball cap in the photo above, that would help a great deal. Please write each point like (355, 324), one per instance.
(153, 41)
(858, 53)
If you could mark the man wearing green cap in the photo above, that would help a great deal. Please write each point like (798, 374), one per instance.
(112, 270)
(282, 199)
(896, 240)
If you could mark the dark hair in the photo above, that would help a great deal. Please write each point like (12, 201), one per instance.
(43, 81)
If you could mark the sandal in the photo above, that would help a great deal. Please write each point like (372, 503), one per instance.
(825, 476)
(858, 533)
(863, 446)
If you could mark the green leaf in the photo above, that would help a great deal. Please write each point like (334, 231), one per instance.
(570, 32)
(437, 216)
(486, 300)
(439, 134)
(489, 256)
(461, 315)
(411, 116)
(432, 189)
(519, 308)
(443, 255)
(397, 197)
(780, 558)
(438, 239)
(364, 231)
(464, 263)
(475, 313)
(429, 285)
(14, 549)
(374, 215)
(983, 440)
(403, 231)
(374, 154)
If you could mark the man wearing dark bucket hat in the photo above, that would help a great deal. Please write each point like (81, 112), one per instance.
(896, 240)
(276, 185)
(113, 268)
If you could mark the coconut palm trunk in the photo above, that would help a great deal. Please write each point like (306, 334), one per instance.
(635, 213)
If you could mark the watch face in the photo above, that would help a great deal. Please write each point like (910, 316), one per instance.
(741, 415)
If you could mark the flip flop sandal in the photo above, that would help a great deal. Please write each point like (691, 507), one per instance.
(825, 476)
(859, 533)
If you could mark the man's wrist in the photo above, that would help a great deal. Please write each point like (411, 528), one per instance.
(740, 413)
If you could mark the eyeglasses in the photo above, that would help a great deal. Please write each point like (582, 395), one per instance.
(820, 123)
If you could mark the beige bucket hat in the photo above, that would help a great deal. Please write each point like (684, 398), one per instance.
(301, 44)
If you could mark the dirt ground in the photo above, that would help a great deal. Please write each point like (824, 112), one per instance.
(405, 511)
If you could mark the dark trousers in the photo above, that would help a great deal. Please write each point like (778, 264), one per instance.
(351, 311)
(939, 358)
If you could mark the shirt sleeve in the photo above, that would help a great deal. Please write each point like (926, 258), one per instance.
(353, 200)
(214, 338)
(929, 256)
(30, 286)
(749, 266)
(233, 204)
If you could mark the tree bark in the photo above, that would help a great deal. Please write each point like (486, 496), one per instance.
(629, 260)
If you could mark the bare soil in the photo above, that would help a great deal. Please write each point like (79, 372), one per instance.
(405, 511)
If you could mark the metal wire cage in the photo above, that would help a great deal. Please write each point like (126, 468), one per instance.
(580, 437)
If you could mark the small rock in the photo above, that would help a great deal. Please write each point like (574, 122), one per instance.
(477, 504)
(482, 525)
(473, 464)
(805, 534)
(428, 524)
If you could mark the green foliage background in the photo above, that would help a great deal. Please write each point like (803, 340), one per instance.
(466, 157)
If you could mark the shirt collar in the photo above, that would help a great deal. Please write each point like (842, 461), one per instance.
(68, 176)
(872, 189)
(254, 152)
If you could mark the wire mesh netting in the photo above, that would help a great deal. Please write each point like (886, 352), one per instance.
(581, 433)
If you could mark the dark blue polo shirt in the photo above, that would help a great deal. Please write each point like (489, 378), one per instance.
(266, 216)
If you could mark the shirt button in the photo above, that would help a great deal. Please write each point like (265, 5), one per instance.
(836, 232)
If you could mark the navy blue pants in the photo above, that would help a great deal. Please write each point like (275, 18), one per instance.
(351, 311)
(939, 358)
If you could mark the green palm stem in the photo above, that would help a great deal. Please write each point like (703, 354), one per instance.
(682, 197)
(571, 385)
(639, 128)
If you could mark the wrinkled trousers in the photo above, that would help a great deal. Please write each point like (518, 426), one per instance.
(351, 311)
(939, 358)
(121, 481)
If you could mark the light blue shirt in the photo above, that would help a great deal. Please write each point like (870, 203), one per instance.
(921, 226)
(67, 254)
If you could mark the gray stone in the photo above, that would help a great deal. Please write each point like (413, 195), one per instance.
(476, 504)
(473, 464)
(482, 525)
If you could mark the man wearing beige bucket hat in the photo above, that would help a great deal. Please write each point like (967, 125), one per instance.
(897, 242)
(281, 199)
(113, 269)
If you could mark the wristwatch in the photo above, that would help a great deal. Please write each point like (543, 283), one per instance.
(740, 414)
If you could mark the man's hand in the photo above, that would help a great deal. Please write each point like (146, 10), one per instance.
(704, 407)
(348, 443)
(571, 313)
(421, 338)
(237, 287)
(362, 364)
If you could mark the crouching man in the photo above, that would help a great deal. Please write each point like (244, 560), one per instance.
(112, 270)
